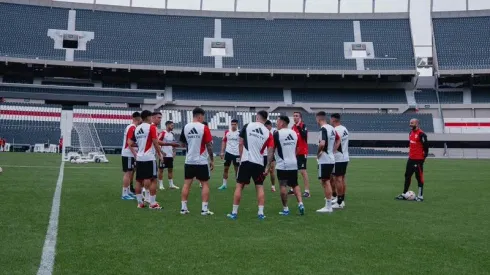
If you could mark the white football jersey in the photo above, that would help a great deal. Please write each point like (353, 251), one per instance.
(145, 133)
(342, 154)
(256, 139)
(167, 137)
(328, 134)
(196, 135)
(232, 139)
(286, 142)
(128, 134)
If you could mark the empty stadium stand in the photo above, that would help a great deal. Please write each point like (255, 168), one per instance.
(430, 96)
(170, 40)
(30, 123)
(29, 25)
(349, 96)
(396, 55)
(145, 39)
(74, 94)
(376, 122)
(461, 42)
(480, 95)
(228, 94)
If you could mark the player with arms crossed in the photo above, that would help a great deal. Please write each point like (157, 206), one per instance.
(128, 155)
(300, 128)
(329, 142)
(167, 141)
(268, 125)
(147, 140)
(197, 138)
(418, 152)
(254, 139)
(230, 152)
(341, 162)
(285, 147)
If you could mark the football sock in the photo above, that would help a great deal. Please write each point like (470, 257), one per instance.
(300, 204)
(139, 197)
(184, 205)
(235, 209)
(171, 182)
(421, 191)
(340, 199)
(285, 209)
(225, 181)
(328, 204)
(204, 207)
(334, 194)
(124, 191)
(261, 210)
(131, 188)
(160, 182)
(153, 200)
(307, 191)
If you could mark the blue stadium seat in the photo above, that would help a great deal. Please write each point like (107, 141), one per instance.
(145, 39)
(461, 42)
(376, 122)
(349, 96)
(24, 31)
(228, 94)
(27, 89)
(480, 95)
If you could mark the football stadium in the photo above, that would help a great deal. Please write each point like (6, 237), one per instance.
(244, 137)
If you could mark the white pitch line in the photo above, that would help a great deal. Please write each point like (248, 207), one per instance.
(49, 248)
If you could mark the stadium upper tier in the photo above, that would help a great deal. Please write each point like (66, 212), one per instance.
(461, 42)
(228, 94)
(168, 40)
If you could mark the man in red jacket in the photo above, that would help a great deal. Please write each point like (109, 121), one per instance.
(418, 151)
(302, 152)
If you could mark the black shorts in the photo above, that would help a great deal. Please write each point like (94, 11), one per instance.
(146, 170)
(128, 164)
(166, 163)
(199, 171)
(288, 178)
(340, 168)
(301, 159)
(229, 158)
(325, 171)
(249, 170)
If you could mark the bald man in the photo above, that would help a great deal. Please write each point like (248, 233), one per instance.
(418, 151)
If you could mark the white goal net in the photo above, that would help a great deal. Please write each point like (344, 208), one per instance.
(85, 144)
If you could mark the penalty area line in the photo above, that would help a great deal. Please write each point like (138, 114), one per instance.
(49, 249)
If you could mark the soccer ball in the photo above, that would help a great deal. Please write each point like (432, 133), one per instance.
(73, 160)
(410, 195)
(1, 170)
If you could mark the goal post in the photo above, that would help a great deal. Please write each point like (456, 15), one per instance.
(85, 144)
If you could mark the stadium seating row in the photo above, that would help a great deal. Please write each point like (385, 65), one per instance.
(130, 38)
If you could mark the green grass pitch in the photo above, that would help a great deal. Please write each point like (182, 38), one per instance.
(99, 233)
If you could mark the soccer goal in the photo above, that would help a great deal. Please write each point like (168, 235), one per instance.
(85, 145)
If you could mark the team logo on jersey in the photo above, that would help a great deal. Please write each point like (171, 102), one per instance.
(291, 139)
(258, 131)
(345, 134)
(140, 131)
(193, 133)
